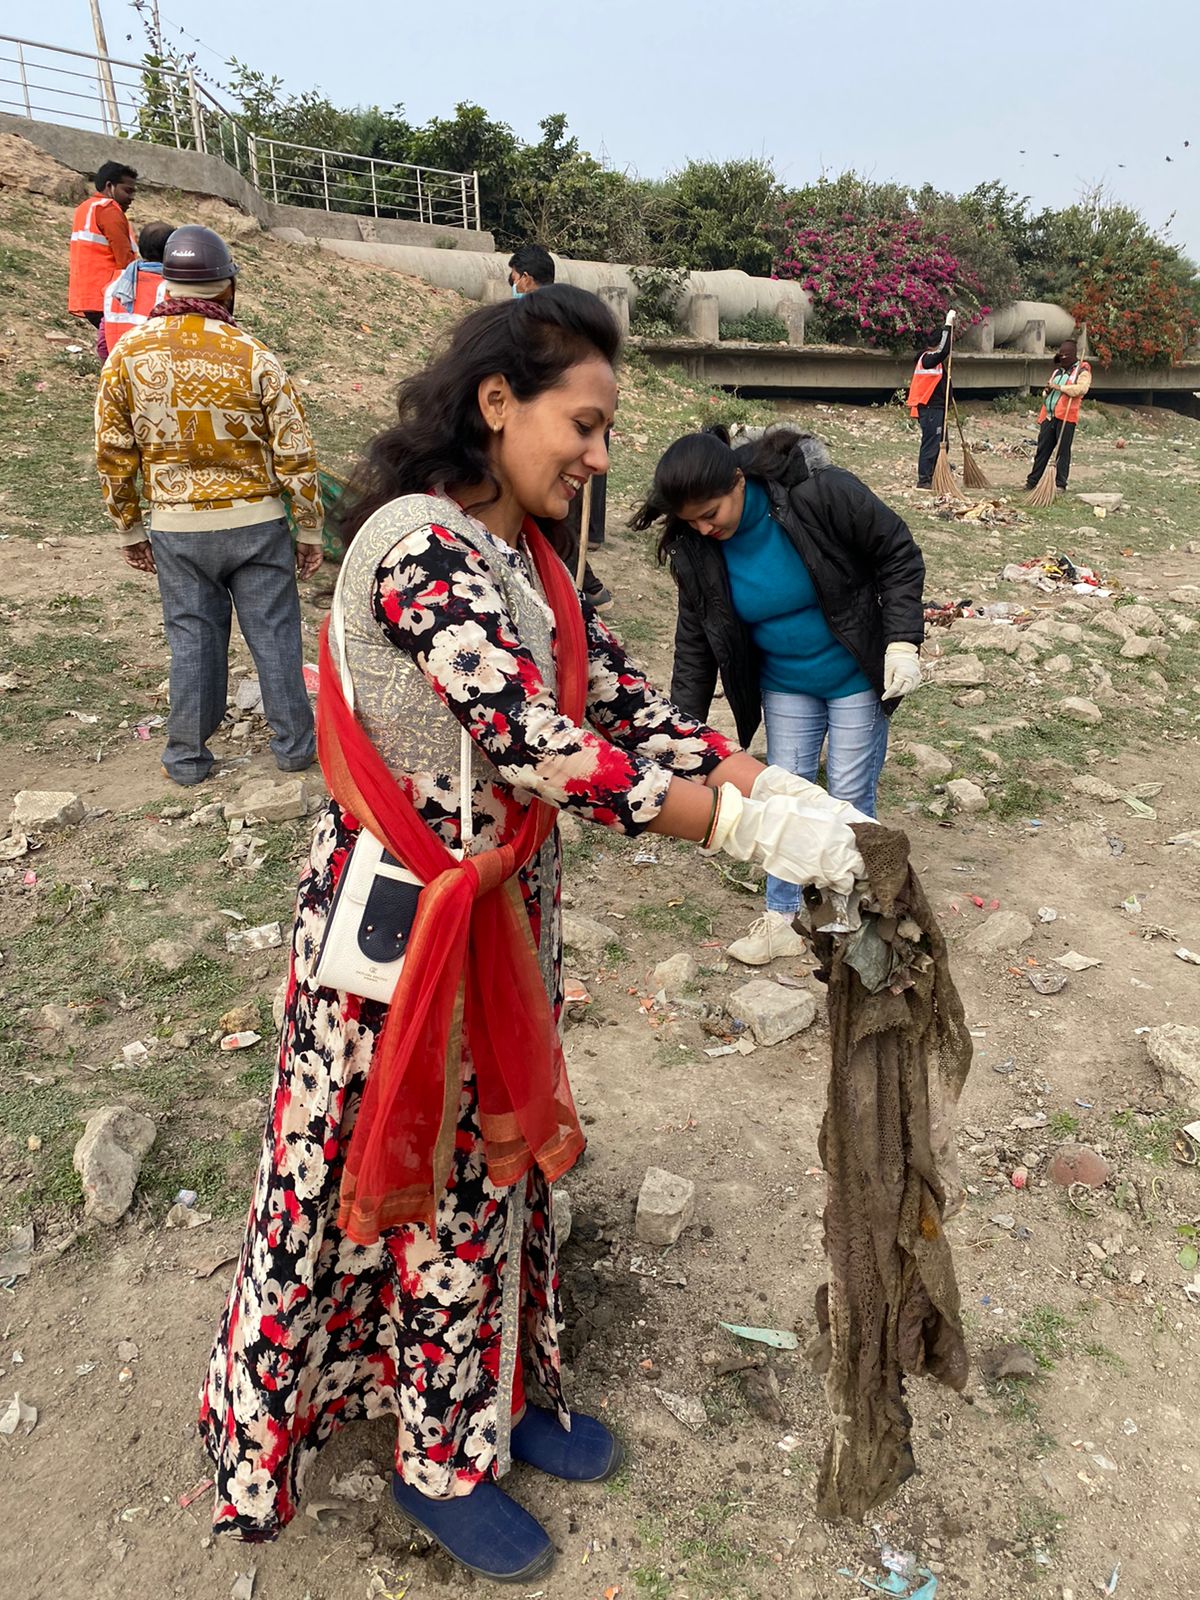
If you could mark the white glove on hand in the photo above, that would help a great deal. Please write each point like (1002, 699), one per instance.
(951, 317)
(786, 838)
(901, 671)
(819, 802)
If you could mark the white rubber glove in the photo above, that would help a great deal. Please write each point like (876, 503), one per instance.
(951, 317)
(783, 836)
(778, 780)
(901, 671)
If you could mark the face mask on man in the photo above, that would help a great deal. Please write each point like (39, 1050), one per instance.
(516, 293)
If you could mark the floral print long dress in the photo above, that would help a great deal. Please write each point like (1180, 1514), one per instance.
(318, 1331)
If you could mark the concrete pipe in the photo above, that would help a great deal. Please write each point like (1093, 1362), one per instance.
(468, 272)
(1009, 322)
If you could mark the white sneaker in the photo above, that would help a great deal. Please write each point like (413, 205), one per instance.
(769, 938)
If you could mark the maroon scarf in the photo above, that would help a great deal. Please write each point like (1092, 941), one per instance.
(171, 307)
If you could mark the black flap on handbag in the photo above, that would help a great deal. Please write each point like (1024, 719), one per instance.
(387, 919)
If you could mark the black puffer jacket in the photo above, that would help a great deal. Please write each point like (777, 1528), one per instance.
(865, 565)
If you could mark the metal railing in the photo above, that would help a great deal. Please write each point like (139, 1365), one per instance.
(132, 99)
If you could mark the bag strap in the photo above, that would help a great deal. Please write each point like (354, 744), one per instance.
(337, 626)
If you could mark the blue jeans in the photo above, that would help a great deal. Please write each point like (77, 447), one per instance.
(797, 725)
(202, 576)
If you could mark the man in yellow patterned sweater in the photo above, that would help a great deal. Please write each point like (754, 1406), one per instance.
(209, 418)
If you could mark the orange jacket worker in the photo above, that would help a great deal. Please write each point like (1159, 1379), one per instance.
(101, 240)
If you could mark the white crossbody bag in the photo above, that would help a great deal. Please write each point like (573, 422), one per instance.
(375, 904)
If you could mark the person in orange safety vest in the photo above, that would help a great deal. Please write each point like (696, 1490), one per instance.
(101, 242)
(1069, 382)
(129, 299)
(927, 401)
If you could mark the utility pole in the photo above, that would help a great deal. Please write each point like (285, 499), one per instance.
(104, 70)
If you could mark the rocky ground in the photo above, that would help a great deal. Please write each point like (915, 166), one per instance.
(1047, 776)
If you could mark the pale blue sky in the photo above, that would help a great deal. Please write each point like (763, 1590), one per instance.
(912, 93)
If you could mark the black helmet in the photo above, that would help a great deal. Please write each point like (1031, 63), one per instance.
(197, 255)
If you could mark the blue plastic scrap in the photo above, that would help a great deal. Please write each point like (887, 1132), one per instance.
(897, 1585)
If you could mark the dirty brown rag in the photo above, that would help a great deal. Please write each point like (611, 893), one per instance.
(891, 1307)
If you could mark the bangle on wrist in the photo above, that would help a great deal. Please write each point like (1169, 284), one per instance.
(706, 841)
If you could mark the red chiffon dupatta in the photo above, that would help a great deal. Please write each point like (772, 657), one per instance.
(471, 981)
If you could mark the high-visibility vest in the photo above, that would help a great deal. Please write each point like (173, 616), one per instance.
(124, 312)
(93, 264)
(1066, 406)
(924, 381)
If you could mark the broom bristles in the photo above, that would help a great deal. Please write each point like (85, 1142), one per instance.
(1044, 491)
(974, 477)
(943, 478)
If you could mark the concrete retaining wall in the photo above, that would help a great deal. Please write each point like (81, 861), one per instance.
(163, 167)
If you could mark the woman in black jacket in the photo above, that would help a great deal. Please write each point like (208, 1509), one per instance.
(803, 591)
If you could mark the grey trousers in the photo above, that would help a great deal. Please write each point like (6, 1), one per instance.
(202, 576)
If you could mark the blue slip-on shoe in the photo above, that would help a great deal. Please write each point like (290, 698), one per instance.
(588, 1454)
(486, 1531)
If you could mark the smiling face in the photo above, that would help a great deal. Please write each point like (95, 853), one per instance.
(545, 449)
(719, 515)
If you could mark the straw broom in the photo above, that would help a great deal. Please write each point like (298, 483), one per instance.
(943, 479)
(1045, 490)
(585, 517)
(974, 477)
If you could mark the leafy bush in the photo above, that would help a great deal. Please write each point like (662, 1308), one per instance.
(656, 314)
(756, 327)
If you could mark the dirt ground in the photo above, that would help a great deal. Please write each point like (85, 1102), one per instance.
(1040, 1487)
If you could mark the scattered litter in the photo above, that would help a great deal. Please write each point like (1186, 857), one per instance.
(645, 858)
(18, 1415)
(84, 1367)
(206, 1268)
(1189, 1258)
(312, 678)
(17, 1260)
(243, 1586)
(1047, 914)
(14, 845)
(234, 916)
(241, 1041)
(30, 880)
(181, 1216)
(1139, 807)
(1111, 1586)
(897, 1583)
(777, 1338)
(87, 717)
(1129, 1427)
(190, 1495)
(186, 1197)
(1004, 1067)
(684, 1408)
(267, 937)
(1105, 1463)
(1189, 956)
(363, 1482)
(1055, 573)
(788, 1443)
(1047, 982)
(1020, 1178)
(1074, 962)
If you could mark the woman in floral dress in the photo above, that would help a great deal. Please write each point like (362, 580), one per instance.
(447, 626)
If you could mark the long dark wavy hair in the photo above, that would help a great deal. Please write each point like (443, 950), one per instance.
(703, 466)
(440, 435)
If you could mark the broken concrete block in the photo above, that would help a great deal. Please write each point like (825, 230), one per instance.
(673, 975)
(665, 1206)
(1174, 1051)
(964, 671)
(1080, 710)
(108, 1159)
(44, 810)
(1106, 502)
(771, 1012)
(584, 934)
(931, 763)
(1003, 930)
(966, 796)
(269, 801)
